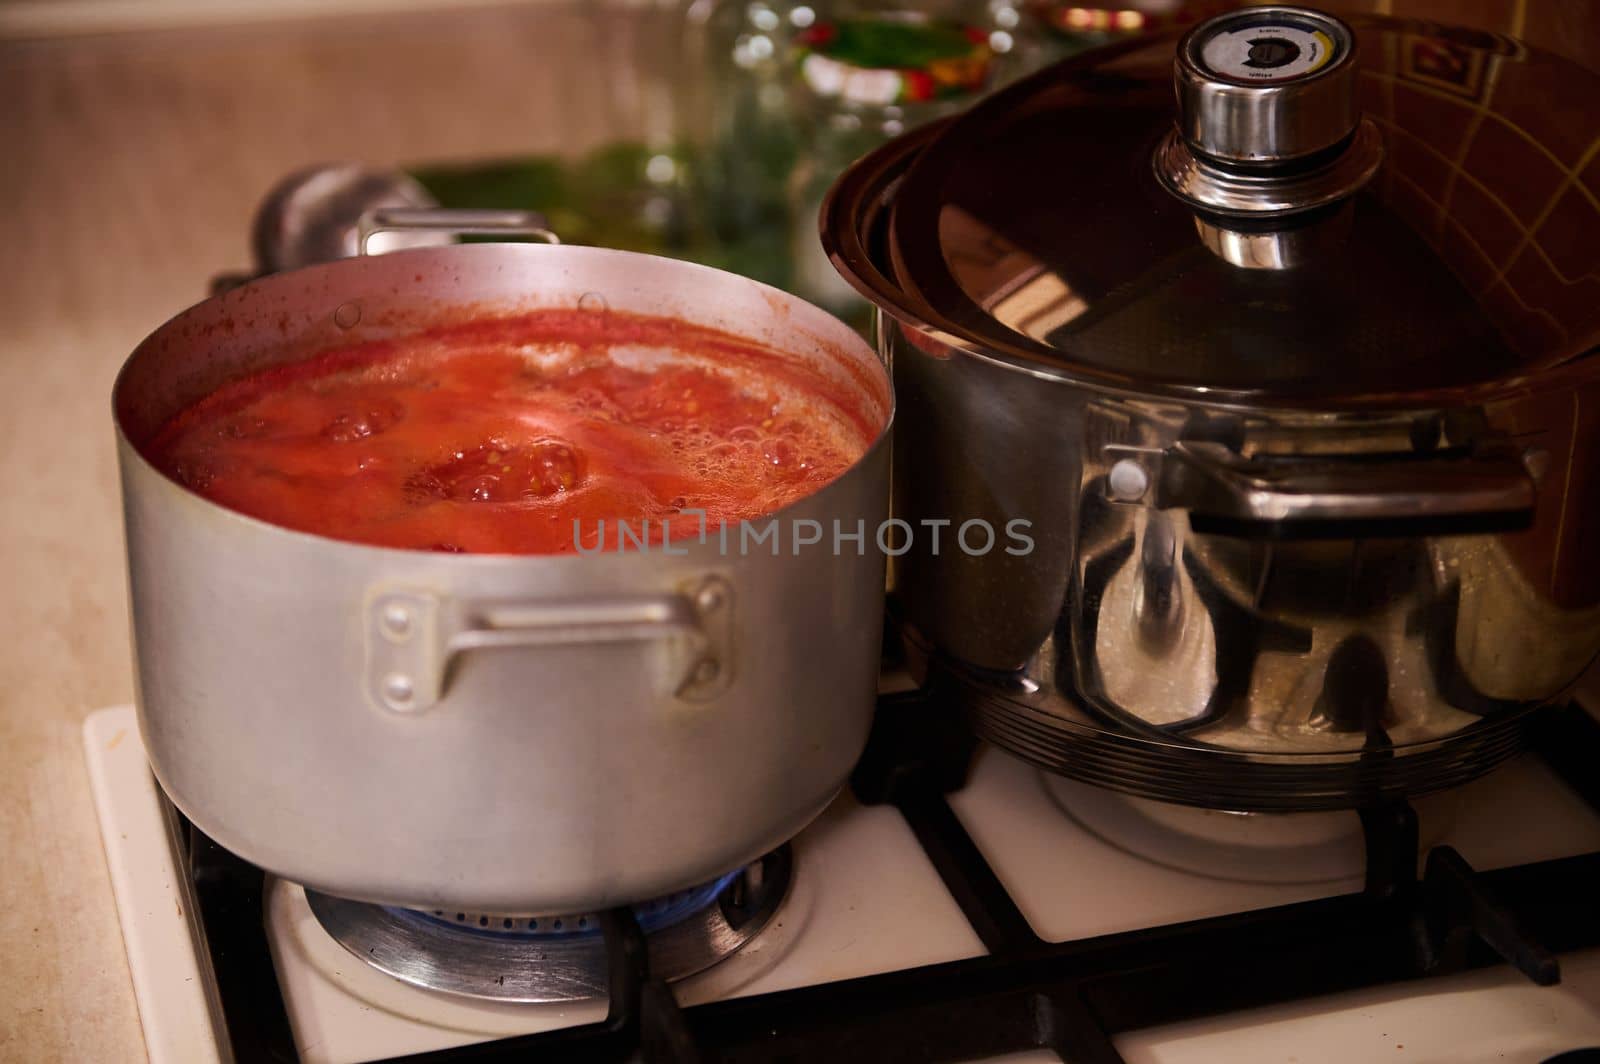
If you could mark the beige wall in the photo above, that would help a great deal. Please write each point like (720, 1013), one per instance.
(1571, 27)
(23, 19)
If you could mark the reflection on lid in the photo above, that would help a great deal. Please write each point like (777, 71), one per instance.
(1025, 293)
(1043, 305)
(1035, 226)
(1490, 143)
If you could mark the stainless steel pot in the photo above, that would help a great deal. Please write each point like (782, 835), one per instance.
(1308, 476)
(510, 734)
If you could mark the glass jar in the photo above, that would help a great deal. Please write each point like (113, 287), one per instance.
(1065, 28)
(739, 113)
(864, 77)
(624, 184)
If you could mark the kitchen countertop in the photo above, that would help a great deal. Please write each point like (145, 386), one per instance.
(130, 168)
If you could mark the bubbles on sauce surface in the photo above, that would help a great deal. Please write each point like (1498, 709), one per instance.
(500, 472)
(244, 427)
(368, 420)
(454, 443)
(781, 452)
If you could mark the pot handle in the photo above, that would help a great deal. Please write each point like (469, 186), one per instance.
(413, 636)
(459, 220)
(1327, 496)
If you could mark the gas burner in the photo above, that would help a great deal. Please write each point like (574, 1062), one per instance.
(1242, 847)
(524, 958)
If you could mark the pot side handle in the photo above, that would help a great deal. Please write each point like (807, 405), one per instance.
(458, 220)
(1327, 496)
(413, 637)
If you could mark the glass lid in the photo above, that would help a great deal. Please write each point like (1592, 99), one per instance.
(1325, 213)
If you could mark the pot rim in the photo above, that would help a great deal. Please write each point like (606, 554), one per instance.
(872, 184)
(815, 322)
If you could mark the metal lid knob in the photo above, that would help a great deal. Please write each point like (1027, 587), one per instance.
(1267, 85)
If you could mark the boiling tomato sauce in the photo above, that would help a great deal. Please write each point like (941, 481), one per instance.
(520, 435)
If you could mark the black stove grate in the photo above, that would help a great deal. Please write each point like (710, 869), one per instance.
(1070, 997)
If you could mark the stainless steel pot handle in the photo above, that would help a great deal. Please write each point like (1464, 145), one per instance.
(1326, 496)
(461, 221)
(413, 636)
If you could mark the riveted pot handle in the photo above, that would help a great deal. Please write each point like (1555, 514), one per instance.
(458, 220)
(1327, 496)
(412, 636)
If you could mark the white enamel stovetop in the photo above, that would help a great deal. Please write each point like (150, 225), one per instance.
(866, 900)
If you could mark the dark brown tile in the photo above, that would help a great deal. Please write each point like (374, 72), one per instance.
(1555, 104)
(1515, 171)
(1408, 201)
(1529, 334)
(1422, 165)
(1438, 120)
(1465, 259)
(1494, 230)
(1561, 312)
(1570, 237)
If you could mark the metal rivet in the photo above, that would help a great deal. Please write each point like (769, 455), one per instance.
(711, 598)
(397, 621)
(397, 689)
(1536, 460)
(347, 316)
(1128, 481)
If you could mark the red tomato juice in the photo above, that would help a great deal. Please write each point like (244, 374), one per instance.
(518, 435)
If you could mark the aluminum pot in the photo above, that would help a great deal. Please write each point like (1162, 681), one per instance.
(519, 734)
(1308, 477)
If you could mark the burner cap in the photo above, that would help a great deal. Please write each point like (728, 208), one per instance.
(526, 958)
(652, 915)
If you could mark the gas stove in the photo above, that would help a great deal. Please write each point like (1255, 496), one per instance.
(954, 903)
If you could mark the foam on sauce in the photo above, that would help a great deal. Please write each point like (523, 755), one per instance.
(496, 436)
